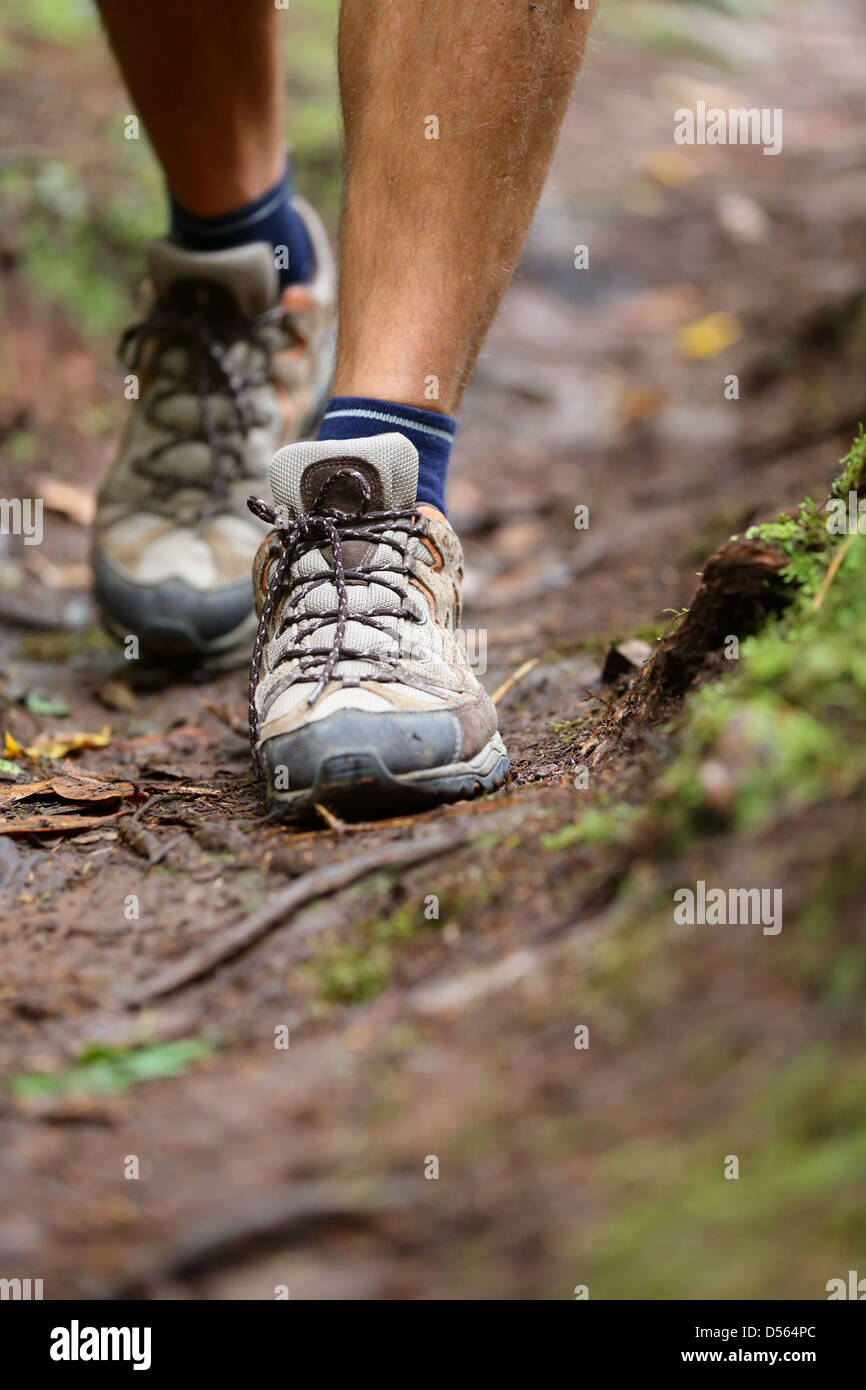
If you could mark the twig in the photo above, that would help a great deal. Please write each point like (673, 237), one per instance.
(17, 613)
(279, 1217)
(440, 814)
(514, 679)
(330, 819)
(149, 803)
(318, 883)
(160, 854)
(833, 570)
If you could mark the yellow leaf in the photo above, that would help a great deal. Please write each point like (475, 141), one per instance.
(709, 336)
(670, 168)
(56, 745)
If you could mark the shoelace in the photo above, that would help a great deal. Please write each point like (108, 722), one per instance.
(318, 528)
(206, 339)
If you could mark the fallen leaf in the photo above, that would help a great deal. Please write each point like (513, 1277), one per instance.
(102, 1068)
(70, 785)
(641, 403)
(74, 576)
(662, 308)
(41, 704)
(89, 789)
(182, 738)
(707, 337)
(9, 769)
(117, 695)
(20, 791)
(56, 745)
(68, 499)
(669, 168)
(58, 825)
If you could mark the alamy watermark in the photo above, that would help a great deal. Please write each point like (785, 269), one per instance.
(77, 1343)
(23, 1290)
(22, 516)
(719, 907)
(742, 125)
(846, 516)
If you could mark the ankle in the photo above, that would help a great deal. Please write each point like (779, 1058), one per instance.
(269, 217)
(431, 433)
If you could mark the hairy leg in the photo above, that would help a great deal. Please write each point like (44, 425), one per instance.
(433, 227)
(205, 76)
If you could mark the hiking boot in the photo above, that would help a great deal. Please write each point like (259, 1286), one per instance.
(361, 697)
(227, 370)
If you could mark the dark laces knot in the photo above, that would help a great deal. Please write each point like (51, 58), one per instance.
(205, 334)
(327, 528)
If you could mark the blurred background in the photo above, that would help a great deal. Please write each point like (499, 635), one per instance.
(704, 263)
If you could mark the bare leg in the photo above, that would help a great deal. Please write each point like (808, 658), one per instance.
(205, 76)
(432, 228)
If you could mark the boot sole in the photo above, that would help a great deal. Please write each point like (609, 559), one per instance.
(173, 651)
(357, 785)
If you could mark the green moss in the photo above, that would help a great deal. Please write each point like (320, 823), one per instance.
(677, 1228)
(352, 974)
(351, 971)
(63, 646)
(804, 537)
(597, 828)
(805, 540)
(786, 728)
(789, 725)
(60, 20)
(853, 467)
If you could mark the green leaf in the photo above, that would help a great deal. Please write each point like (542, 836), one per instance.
(40, 704)
(102, 1069)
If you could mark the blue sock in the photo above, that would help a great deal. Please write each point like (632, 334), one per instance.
(357, 417)
(269, 217)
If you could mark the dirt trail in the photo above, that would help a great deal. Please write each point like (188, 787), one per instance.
(415, 1036)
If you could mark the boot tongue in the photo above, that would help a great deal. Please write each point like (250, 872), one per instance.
(328, 473)
(244, 277)
(324, 473)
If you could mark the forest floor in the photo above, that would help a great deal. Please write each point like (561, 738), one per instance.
(491, 1064)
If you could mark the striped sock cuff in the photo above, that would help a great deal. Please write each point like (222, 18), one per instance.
(359, 417)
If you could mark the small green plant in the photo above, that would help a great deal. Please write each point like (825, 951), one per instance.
(102, 1069)
(597, 828)
(350, 974)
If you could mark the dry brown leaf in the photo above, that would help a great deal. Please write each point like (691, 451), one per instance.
(74, 576)
(58, 825)
(20, 791)
(116, 694)
(89, 789)
(69, 786)
(95, 837)
(70, 500)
